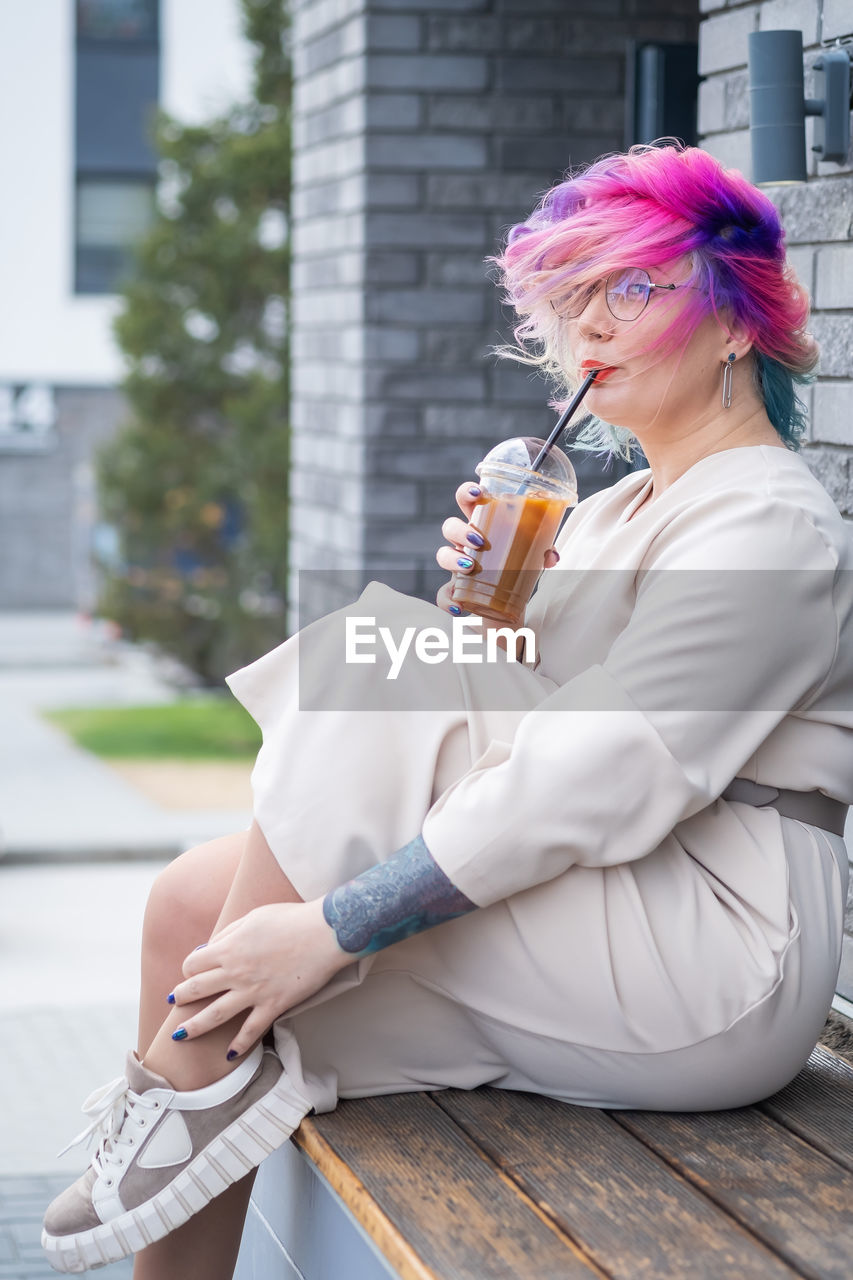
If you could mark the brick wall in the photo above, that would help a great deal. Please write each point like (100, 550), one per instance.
(423, 129)
(818, 216)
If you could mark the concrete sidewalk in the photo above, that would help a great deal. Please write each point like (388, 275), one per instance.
(56, 800)
(79, 848)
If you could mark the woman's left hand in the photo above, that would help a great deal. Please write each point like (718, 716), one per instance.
(269, 960)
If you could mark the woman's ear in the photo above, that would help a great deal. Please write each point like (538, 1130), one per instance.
(736, 338)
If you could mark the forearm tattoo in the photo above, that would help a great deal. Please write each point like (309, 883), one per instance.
(393, 900)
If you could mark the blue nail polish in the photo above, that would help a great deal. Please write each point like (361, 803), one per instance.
(231, 1055)
(465, 563)
(199, 947)
(477, 539)
(170, 998)
(475, 491)
(180, 1034)
(455, 610)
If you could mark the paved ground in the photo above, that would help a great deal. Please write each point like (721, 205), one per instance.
(79, 849)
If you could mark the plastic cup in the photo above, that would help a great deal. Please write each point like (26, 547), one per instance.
(518, 514)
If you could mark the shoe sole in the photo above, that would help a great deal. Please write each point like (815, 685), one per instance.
(263, 1128)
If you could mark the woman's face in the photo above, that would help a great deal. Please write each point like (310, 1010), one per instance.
(639, 387)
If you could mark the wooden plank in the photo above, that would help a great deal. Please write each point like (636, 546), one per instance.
(621, 1203)
(818, 1106)
(412, 1178)
(793, 1197)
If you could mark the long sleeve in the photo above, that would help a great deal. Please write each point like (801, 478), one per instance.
(734, 627)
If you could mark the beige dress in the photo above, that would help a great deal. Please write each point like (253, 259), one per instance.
(641, 942)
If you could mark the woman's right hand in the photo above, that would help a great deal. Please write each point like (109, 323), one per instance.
(464, 542)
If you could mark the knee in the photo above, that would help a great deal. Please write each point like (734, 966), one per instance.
(181, 910)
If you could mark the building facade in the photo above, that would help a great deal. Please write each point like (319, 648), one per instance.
(78, 87)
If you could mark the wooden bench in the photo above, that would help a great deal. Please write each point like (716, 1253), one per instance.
(476, 1186)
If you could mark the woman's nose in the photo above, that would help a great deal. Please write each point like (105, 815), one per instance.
(595, 321)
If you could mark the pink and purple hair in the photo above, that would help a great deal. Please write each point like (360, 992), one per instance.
(645, 208)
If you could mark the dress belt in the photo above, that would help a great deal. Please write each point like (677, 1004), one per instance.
(812, 807)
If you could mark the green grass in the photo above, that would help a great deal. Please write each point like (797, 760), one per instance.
(194, 729)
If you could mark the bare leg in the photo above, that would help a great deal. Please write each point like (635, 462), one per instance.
(192, 1064)
(198, 893)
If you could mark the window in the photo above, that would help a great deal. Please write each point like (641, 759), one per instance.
(117, 91)
(122, 20)
(111, 214)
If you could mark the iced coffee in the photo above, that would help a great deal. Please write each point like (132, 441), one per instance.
(518, 515)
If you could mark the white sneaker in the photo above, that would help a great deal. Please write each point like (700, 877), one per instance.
(163, 1155)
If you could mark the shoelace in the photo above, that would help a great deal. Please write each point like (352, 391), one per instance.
(108, 1107)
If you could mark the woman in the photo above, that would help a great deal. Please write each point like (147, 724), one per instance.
(623, 925)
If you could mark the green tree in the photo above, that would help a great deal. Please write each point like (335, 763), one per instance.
(195, 483)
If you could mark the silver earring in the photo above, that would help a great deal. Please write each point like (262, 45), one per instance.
(727, 380)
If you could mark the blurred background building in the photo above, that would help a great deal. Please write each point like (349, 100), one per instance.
(78, 86)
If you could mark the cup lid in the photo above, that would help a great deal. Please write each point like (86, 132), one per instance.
(519, 454)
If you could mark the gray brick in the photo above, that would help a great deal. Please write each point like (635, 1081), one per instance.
(327, 160)
(551, 156)
(833, 469)
(834, 277)
(329, 271)
(711, 6)
(345, 41)
(837, 19)
(417, 230)
(833, 413)
(393, 421)
(426, 71)
(737, 101)
(480, 34)
(712, 105)
(387, 498)
(732, 149)
(336, 195)
(419, 385)
(490, 422)
(491, 190)
(394, 111)
(342, 119)
(426, 151)
(317, 307)
(470, 112)
(455, 269)
(834, 335)
(447, 348)
(594, 75)
(422, 308)
(457, 6)
(382, 268)
(722, 40)
(343, 80)
(392, 344)
(393, 32)
(816, 211)
(611, 8)
(515, 383)
(392, 191)
(591, 114)
(791, 15)
(322, 235)
(802, 261)
(454, 461)
(316, 16)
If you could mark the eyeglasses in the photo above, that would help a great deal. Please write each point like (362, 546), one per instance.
(626, 293)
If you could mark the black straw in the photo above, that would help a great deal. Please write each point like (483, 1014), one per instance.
(564, 419)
